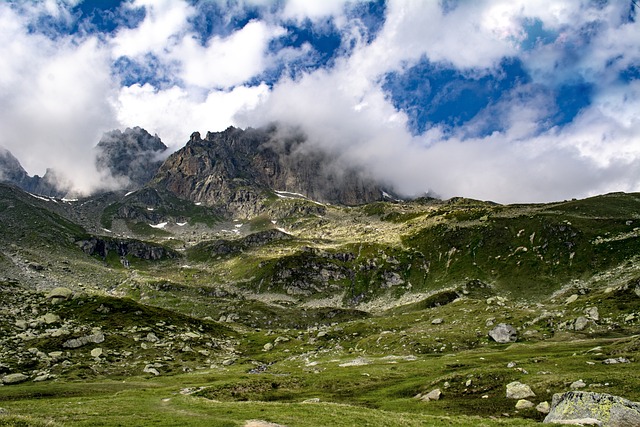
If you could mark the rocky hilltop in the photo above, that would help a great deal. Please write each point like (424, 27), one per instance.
(133, 155)
(238, 170)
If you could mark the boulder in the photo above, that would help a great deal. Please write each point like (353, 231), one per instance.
(608, 410)
(432, 395)
(14, 379)
(96, 338)
(543, 407)
(524, 404)
(578, 384)
(581, 323)
(517, 390)
(503, 333)
(60, 293)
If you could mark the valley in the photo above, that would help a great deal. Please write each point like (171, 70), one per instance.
(145, 308)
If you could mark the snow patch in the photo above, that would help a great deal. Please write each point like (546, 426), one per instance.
(181, 224)
(198, 203)
(150, 209)
(40, 197)
(161, 225)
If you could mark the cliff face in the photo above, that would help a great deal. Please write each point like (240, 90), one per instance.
(237, 169)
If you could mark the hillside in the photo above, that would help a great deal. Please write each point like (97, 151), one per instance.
(169, 302)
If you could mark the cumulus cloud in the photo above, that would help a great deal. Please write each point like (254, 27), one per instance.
(174, 112)
(346, 111)
(55, 96)
(61, 91)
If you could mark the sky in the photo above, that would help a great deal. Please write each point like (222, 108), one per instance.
(502, 100)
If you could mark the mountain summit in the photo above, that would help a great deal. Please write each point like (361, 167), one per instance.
(237, 169)
(133, 155)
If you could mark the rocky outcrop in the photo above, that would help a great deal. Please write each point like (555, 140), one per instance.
(238, 169)
(133, 155)
(102, 246)
(503, 334)
(610, 411)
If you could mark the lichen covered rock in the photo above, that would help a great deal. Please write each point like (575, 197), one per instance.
(611, 411)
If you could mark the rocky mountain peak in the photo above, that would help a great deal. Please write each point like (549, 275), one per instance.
(236, 170)
(133, 154)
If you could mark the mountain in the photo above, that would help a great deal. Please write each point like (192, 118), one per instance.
(133, 155)
(239, 170)
(12, 172)
(252, 270)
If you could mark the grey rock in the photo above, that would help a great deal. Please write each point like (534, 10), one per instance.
(614, 361)
(96, 338)
(60, 293)
(608, 410)
(96, 352)
(151, 370)
(592, 313)
(437, 321)
(581, 323)
(503, 333)
(524, 404)
(517, 390)
(578, 384)
(543, 407)
(14, 379)
(432, 395)
(50, 318)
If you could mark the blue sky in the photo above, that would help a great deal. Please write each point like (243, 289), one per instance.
(507, 100)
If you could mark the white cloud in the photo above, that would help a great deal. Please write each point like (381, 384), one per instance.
(164, 22)
(55, 96)
(226, 62)
(174, 113)
(299, 10)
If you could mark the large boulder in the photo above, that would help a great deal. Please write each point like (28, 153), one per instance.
(14, 378)
(503, 334)
(517, 390)
(610, 411)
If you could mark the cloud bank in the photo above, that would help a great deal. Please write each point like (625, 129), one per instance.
(511, 101)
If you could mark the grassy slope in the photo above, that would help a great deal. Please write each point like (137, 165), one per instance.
(535, 255)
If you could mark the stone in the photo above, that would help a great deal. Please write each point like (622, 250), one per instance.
(437, 321)
(592, 313)
(312, 400)
(14, 379)
(517, 390)
(543, 407)
(260, 423)
(40, 378)
(607, 410)
(267, 347)
(581, 323)
(577, 384)
(573, 298)
(151, 370)
(434, 394)
(96, 352)
(614, 361)
(511, 365)
(60, 293)
(50, 318)
(95, 338)
(21, 324)
(503, 333)
(524, 404)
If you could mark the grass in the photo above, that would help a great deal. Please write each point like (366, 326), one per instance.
(362, 338)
